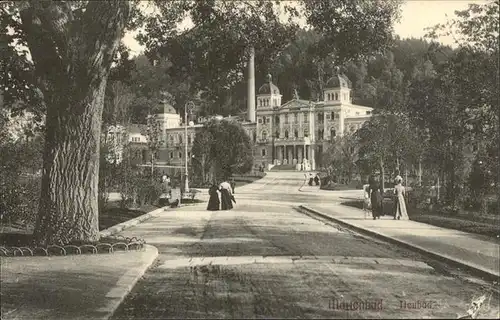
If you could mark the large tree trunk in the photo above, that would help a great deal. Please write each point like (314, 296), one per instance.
(72, 56)
(70, 179)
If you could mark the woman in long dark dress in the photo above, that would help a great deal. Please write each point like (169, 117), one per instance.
(376, 198)
(213, 202)
(226, 196)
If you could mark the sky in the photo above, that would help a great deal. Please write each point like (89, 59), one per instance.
(416, 16)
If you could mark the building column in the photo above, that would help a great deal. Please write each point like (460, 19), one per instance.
(313, 158)
(341, 122)
(251, 86)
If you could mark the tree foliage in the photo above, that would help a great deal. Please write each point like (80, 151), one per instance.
(68, 49)
(226, 148)
(446, 111)
(217, 44)
(341, 157)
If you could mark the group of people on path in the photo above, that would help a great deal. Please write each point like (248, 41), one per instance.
(314, 179)
(221, 196)
(375, 195)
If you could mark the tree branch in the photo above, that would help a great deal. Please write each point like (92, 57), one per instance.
(97, 37)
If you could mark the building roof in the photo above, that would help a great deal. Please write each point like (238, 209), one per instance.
(168, 108)
(269, 87)
(339, 80)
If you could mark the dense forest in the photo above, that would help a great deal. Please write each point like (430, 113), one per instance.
(379, 81)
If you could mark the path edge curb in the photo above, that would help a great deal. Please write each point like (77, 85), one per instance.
(483, 273)
(133, 276)
(130, 223)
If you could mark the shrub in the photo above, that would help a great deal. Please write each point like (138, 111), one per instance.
(149, 192)
(19, 201)
(20, 184)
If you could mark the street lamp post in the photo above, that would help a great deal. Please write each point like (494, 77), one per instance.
(188, 107)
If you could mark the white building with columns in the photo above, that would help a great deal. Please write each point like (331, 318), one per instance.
(295, 133)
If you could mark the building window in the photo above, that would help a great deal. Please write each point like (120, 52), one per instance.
(332, 133)
(263, 152)
(320, 134)
(180, 155)
(336, 96)
(277, 134)
(328, 117)
(329, 95)
(368, 112)
(268, 120)
(320, 117)
(333, 115)
(295, 118)
(277, 119)
(254, 136)
(189, 139)
(180, 139)
(286, 118)
(306, 117)
(264, 135)
(306, 133)
(286, 134)
(260, 120)
(171, 155)
(189, 154)
(296, 133)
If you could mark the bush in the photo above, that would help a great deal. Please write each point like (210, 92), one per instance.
(149, 192)
(19, 184)
(19, 201)
(493, 207)
(449, 210)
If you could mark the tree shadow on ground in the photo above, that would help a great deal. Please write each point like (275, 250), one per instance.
(291, 291)
(58, 294)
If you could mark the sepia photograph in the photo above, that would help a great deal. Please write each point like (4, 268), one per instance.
(249, 159)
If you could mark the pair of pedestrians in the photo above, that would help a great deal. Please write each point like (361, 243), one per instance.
(226, 199)
(374, 194)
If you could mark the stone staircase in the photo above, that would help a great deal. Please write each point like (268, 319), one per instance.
(284, 167)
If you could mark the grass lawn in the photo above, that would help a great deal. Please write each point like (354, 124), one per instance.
(110, 216)
(487, 225)
(113, 214)
(244, 180)
(334, 187)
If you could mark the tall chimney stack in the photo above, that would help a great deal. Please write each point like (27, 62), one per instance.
(251, 86)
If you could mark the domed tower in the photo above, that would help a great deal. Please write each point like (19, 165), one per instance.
(269, 95)
(168, 118)
(338, 89)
